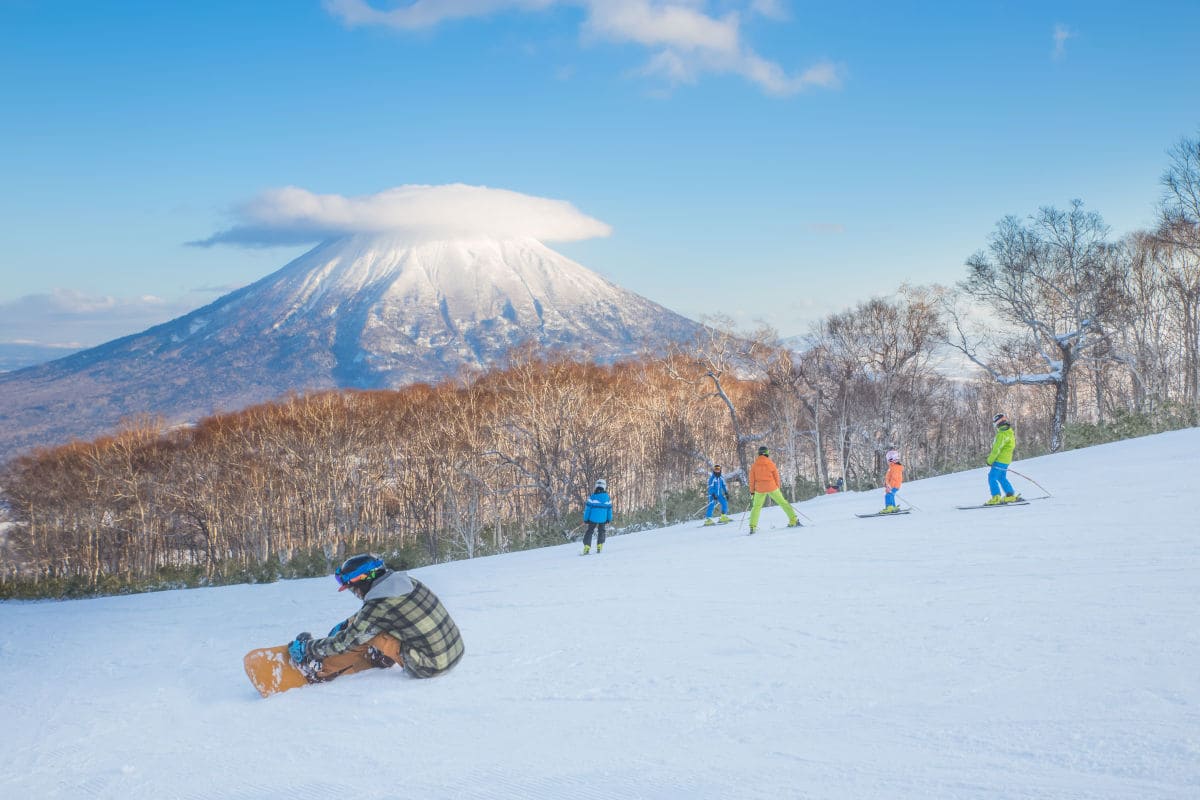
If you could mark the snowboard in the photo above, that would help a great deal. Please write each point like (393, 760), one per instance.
(271, 671)
(881, 514)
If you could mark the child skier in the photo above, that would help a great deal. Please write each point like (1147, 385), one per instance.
(998, 459)
(764, 483)
(718, 492)
(891, 482)
(597, 512)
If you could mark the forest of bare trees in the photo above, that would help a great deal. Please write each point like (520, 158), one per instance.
(1076, 335)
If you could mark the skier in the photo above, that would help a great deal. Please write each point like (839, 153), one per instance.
(892, 481)
(998, 459)
(764, 483)
(401, 622)
(597, 512)
(718, 492)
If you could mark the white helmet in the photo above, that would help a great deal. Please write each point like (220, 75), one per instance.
(893, 456)
(601, 483)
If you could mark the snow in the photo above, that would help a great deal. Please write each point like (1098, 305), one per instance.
(1040, 651)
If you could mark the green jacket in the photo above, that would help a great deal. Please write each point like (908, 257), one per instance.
(1003, 445)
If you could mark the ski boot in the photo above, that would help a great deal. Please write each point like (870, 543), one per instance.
(724, 518)
(890, 509)
(751, 531)
(599, 549)
(1011, 498)
(708, 521)
(795, 523)
(994, 501)
(587, 548)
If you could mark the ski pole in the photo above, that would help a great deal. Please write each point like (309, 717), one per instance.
(744, 513)
(910, 505)
(1031, 480)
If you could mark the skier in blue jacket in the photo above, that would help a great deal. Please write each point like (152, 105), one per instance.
(597, 513)
(718, 492)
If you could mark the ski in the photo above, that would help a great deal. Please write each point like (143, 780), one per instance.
(882, 514)
(776, 527)
(993, 505)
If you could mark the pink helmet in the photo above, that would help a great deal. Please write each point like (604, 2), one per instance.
(893, 456)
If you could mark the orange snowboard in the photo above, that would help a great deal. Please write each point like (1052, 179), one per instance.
(271, 670)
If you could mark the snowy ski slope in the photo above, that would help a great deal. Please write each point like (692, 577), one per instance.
(1044, 651)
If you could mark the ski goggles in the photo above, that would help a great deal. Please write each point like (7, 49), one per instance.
(345, 580)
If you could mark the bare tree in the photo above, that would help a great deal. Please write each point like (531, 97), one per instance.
(1055, 280)
(1177, 252)
(721, 353)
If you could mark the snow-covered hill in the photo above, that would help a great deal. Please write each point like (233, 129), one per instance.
(1039, 651)
(356, 312)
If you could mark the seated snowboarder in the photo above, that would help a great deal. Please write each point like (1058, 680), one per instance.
(401, 622)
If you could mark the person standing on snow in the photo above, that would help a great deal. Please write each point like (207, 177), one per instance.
(401, 622)
(764, 482)
(597, 512)
(998, 459)
(892, 482)
(718, 492)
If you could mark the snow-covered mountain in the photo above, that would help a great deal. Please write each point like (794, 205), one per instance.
(354, 312)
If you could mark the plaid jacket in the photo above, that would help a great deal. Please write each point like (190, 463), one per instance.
(429, 640)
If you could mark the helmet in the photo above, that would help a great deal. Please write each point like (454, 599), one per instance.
(996, 420)
(893, 456)
(359, 570)
(716, 467)
(764, 451)
(601, 483)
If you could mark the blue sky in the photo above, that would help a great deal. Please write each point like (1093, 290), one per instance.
(767, 159)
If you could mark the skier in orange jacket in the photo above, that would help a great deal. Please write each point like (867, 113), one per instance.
(764, 483)
(892, 482)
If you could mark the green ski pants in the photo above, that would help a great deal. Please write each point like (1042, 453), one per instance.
(761, 497)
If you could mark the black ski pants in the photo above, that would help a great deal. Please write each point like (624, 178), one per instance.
(587, 537)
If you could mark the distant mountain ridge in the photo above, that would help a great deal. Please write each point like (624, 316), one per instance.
(355, 312)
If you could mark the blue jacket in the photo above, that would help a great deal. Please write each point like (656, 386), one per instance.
(598, 508)
(716, 486)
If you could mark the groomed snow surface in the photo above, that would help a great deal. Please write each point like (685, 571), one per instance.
(1042, 651)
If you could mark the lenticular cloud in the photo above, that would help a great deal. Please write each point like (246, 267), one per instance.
(292, 215)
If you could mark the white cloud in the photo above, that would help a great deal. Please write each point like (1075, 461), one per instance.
(69, 318)
(425, 13)
(771, 9)
(684, 38)
(294, 216)
(1061, 34)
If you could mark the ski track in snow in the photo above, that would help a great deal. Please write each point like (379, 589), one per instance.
(1043, 651)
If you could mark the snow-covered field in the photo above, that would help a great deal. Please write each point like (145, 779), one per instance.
(1043, 651)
